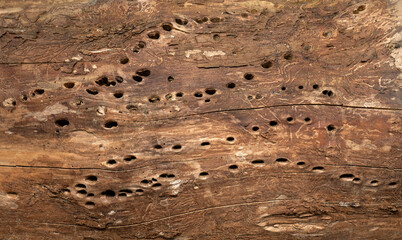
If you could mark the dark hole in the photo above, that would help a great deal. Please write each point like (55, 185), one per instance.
(118, 94)
(62, 122)
(145, 181)
(248, 76)
(158, 146)
(346, 175)
(176, 147)
(307, 119)
(92, 178)
(281, 160)
(210, 91)
(181, 21)
(325, 92)
(207, 100)
(141, 44)
(163, 175)
(315, 86)
(102, 81)
(361, 8)
(230, 139)
(39, 91)
(289, 119)
(356, 179)
(300, 87)
(204, 174)
(137, 78)
(392, 183)
(92, 91)
(143, 72)
(179, 94)
(205, 143)
(90, 203)
(24, 97)
(330, 93)
(131, 107)
(139, 190)
(65, 190)
(122, 194)
(110, 124)
(255, 128)
(154, 179)
(154, 35)
(154, 99)
(129, 158)
(301, 163)
(90, 195)
(156, 185)
(109, 193)
(215, 20)
(273, 123)
(111, 162)
(330, 127)
(118, 79)
(216, 37)
(288, 56)
(80, 185)
(126, 191)
(267, 64)
(231, 85)
(283, 88)
(124, 60)
(198, 94)
(374, 182)
(170, 78)
(82, 191)
(167, 26)
(69, 85)
(318, 168)
(233, 167)
(257, 162)
(171, 176)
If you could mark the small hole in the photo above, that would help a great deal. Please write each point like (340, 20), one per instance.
(156, 185)
(288, 56)
(176, 147)
(207, 100)
(283, 88)
(139, 191)
(267, 64)
(126, 191)
(111, 124)
(273, 123)
(257, 162)
(124, 60)
(210, 91)
(137, 78)
(301, 163)
(230, 139)
(24, 97)
(154, 35)
(255, 128)
(104, 81)
(356, 180)
(39, 91)
(325, 92)
(215, 19)
(167, 27)
(181, 21)
(205, 144)
(315, 86)
(392, 184)
(131, 107)
(216, 37)
(141, 44)
(204, 174)
(330, 127)
(122, 194)
(143, 72)
(300, 87)
(233, 167)
(119, 79)
(154, 99)
(90, 195)
(158, 146)
(129, 158)
(198, 94)
(281, 160)
(374, 183)
(108, 193)
(170, 78)
(347, 177)
(90, 203)
(118, 94)
(330, 93)
(171, 176)
(163, 175)
(62, 122)
(231, 85)
(248, 76)
(361, 8)
(65, 190)
(318, 168)
(307, 119)
(179, 94)
(289, 119)
(80, 185)
(92, 91)
(145, 181)
(69, 85)
(111, 162)
(91, 178)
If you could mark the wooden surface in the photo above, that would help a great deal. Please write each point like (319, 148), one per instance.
(200, 119)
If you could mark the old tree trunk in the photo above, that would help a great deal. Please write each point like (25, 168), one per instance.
(197, 119)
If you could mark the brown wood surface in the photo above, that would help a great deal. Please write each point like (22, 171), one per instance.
(197, 119)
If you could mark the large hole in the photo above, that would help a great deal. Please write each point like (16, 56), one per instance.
(110, 124)
(91, 178)
(143, 72)
(108, 193)
(330, 127)
(104, 81)
(69, 85)
(111, 162)
(204, 174)
(255, 128)
(80, 185)
(153, 35)
(210, 91)
(38, 92)
(62, 122)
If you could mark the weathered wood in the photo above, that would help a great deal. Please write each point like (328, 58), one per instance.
(200, 119)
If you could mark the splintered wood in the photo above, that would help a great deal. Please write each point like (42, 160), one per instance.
(197, 119)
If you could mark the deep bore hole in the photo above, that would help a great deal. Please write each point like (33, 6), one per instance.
(158, 146)
(231, 85)
(170, 79)
(153, 35)
(255, 128)
(198, 94)
(154, 99)
(233, 167)
(83, 192)
(156, 185)
(301, 163)
(167, 27)
(257, 162)
(111, 124)
(300, 87)
(307, 119)
(248, 76)
(143, 72)
(80, 185)
(347, 176)
(179, 94)
(111, 162)
(62, 122)
(204, 174)
(137, 78)
(124, 60)
(318, 168)
(176, 147)
(289, 119)
(330, 127)
(273, 123)
(267, 64)
(92, 91)
(90, 204)
(205, 144)
(210, 91)
(108, 193)
(283, 88)
(181, 21)
(230, 139)
(91, 178)
(69, 85)
(118, 94)
(129, 158)
(281, 160)
(315, 86)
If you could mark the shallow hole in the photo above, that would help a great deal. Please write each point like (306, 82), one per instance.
(233, 167)
(62, 122)
(154, 99)
(216, 37)
(170, 78)
(198, 94)
(231, 85)
(257, 162)
(248, 76)
(108, 193)
(90, 195)
(122, 195)
(230, 139)
(273, 123)
(330, 127)
(163, 175)
(210, 91)
(137, 78)
(143, 72)
(104, 81)
(288, 56)
(129, 158)
(111, 124)
(330, 93)
(215, 19)
(181, 21)
(124, 60)
(176, 147)
(119, 79)
(158, 146)
(361, 8)
(126, 191)
(255, 128)
(167, 27)
(69, 85)
(374, 183)
(391, 184)
(139, 191)
(24, 97)
(131, 107)
(141, 44)
(356, 180)
(91, 178)
(318, 169)
(118, 94)
(92, 91)
(153, 35)
(90, 204)
(267, 64)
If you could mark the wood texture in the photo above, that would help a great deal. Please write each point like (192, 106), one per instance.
(200, 119)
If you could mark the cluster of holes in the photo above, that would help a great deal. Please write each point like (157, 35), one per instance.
(140, 74)
(315, 87)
